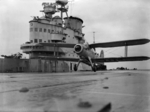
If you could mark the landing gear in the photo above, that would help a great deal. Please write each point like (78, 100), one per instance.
(92, 65)
(75, 67)
(94, 68)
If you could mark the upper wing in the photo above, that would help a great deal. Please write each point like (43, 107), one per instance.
(60, 58)
(112, 59)
(120, 43)
(58, 45)
(118, 59)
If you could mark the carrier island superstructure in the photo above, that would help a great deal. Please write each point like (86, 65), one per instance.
(52, 28)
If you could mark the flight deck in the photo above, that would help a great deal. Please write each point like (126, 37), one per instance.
(123, 91)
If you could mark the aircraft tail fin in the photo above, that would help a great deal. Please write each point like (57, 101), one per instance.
(102, 54)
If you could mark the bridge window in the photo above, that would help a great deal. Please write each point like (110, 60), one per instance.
(40, 30)
(36, 29)
(59, 24)
(31, 41)
(44, 30)
(48, 30)
(35, 40)
(40, 40)
(31, 29)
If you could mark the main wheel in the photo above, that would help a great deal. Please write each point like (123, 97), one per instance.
(94, 68)
(75, 67)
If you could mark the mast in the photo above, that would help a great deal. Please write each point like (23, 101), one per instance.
(63, 8)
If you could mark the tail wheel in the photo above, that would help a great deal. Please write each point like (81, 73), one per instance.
(75, 67)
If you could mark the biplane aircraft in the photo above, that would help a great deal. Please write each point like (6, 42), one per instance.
(88, 55)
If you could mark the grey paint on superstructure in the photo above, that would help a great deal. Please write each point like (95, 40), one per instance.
(51, 29)
(31, 65)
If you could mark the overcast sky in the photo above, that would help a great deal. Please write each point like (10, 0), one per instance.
(111, 20)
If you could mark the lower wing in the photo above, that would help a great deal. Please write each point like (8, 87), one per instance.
(112, 59)
(121, 59)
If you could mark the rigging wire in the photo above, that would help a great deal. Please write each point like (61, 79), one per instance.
(108, 50)
(112, 52)
(116, 54)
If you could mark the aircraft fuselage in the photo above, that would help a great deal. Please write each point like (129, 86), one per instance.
(86, 54)
(85, 51)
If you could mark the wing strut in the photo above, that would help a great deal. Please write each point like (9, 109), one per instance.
(126, 51)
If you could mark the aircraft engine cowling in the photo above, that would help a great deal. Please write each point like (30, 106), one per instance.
(78, 48)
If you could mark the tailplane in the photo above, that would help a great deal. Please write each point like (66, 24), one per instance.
(102, 56)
